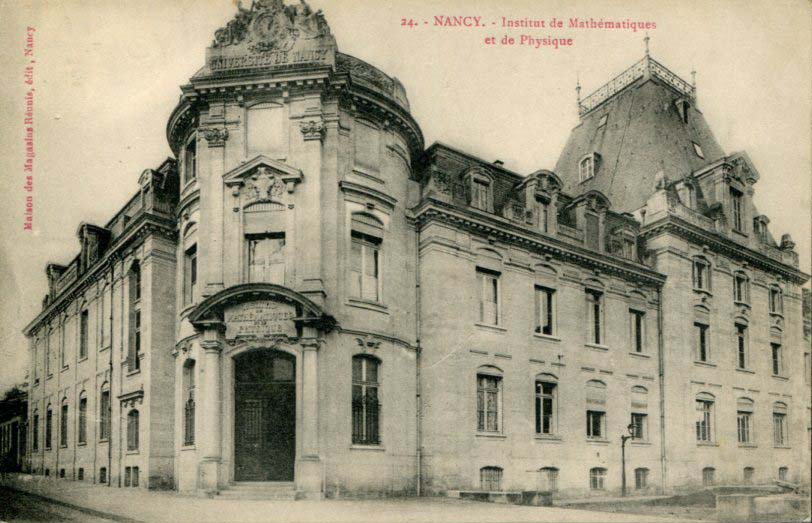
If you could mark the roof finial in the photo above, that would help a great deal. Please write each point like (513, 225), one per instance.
(645, 40)
(693, 77)
(578, 86)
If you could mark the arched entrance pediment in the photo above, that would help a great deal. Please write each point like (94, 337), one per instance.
(260, 310)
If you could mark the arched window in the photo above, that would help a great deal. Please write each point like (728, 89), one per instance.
(132, 430)
(365, 257)
(780, 424)
(489, 399)
(741, 287)
(546, 404)
(741, 344)
(366, 408)
(595, 409)
(190, 159)
(708, 474)
(82, 432)
(783, 473)
(190, 274)
(189, 402)
(84, 329)
(639, 410)
(63, 424)
(35, 431)
(104, 412)
(597, 477)
(701, 273)
(548, 479)
(49, 419)
(490, 479)
(641, 478)
(744, 420)
(704, 421)
(747, 475)
(103, 475)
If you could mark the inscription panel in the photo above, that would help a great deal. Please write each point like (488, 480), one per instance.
(260, 319)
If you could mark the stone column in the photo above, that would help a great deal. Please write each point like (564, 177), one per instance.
(309, 477)
(211, 417)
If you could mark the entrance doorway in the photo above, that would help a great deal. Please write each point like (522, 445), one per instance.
(265, 416)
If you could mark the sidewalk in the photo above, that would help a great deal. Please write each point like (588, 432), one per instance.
(136, 505)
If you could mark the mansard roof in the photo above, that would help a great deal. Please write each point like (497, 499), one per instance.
(637, 128)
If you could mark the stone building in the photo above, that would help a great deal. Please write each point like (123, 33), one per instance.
(308, 300)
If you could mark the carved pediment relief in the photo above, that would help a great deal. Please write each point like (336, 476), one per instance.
(262, 179)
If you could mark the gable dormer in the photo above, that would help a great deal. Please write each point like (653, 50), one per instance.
(540, 193)
(53, 272)
(480, 185)
(92, 241)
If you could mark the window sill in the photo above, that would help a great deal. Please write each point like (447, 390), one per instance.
(774, 314)
(706, 444)
(597, 441)
(368, 305)
(738, 303)
(188, 447)
(785, 447)
(490, 435)
(63, 446)
(780, 377)
(64, 368)
(493, 328)
(705, 364)
(639, 354)
(547, 337)
(36, 382)
(80, 360)
(748, 446)
(375, 448)
(82, 444)
(644, 443)
(706, 292)
(49, 376)
(133, 372)
(739, 232)
(104, 348)
(596, 346)
(746, 371)
(132, 452)
(104, 440)
(551, 438)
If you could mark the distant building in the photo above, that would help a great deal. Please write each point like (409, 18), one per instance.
(306, 295)
(13, 416)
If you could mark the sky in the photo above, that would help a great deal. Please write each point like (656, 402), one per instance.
(107, 75)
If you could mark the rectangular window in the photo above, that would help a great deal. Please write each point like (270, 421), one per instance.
(639, 426)
(365, 267)
(777, 360)
(741, 346)
(545, 217)
(49, 420)
(136, 364)
(190, 275)
(597, 477)
(490, 479)
(640, 478)
(740, 291)
(776, 301)
(479, 198)
(737, 209)
(266, 259)
(701, 274)
(135, 477)
(488, 388)
(707, 476)
(189, 161)
(594, 301)
(545, 407)
(127, 475)
(83, 332)
(63, 344)
(104, 415)
(701, 333)
(35, 433)
(595, 424)
(743, 421)
(779, 429)
(545, 311)
(488, 291)
(365, 401)
(637, 319)
(703, 421)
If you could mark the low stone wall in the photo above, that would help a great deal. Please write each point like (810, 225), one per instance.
(750, 507)
(528, 497)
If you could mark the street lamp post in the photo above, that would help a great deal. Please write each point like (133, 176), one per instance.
(623, 439)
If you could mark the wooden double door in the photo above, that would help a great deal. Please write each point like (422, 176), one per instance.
(265, 416)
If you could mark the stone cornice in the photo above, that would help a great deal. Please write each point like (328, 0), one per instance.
(142, 226)
(722, 246)
(503, 230)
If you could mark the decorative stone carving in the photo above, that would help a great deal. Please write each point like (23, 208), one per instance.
(312, 129)
(368, 342)
(215, 136)
(264, 185)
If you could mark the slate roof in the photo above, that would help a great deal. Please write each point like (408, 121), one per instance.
(644, 134)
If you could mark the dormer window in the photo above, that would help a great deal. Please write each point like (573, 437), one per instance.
(698, 150)
(736, 209)
(586, 168)
(481, 193)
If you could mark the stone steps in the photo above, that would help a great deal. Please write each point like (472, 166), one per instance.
(260, 490)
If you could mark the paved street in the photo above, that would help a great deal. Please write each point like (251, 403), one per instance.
(25, 508)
